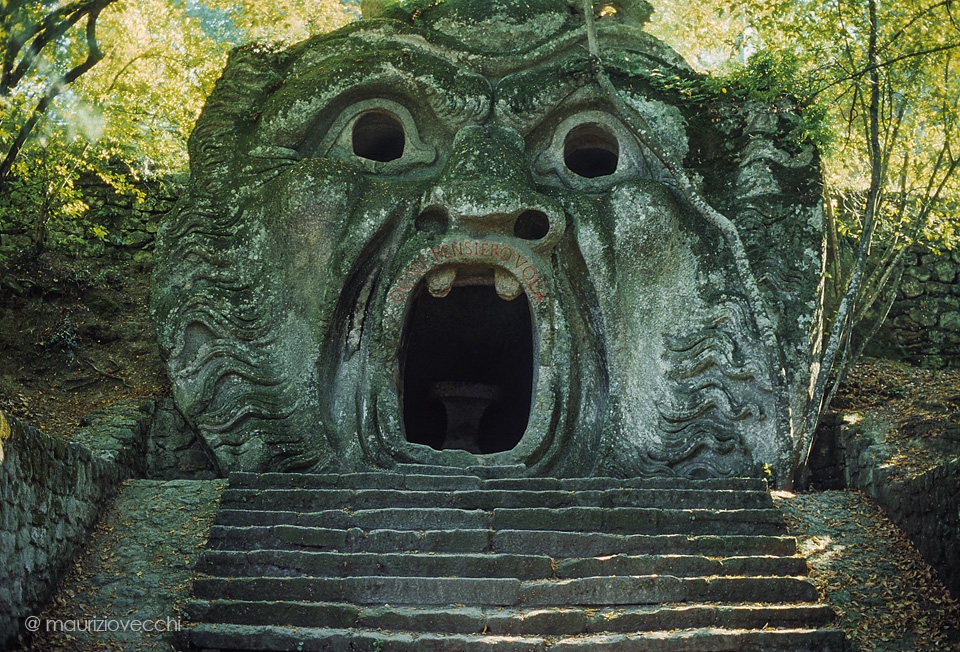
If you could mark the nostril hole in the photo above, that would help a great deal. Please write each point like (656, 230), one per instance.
(433, 219)
(531, 225)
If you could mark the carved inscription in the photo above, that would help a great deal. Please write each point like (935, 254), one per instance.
(471, 251)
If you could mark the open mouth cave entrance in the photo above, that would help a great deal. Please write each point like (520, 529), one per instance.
(467, 368)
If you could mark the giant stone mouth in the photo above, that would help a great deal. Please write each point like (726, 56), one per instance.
(467, 365)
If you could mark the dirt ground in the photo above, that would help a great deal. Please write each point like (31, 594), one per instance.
(75, 336)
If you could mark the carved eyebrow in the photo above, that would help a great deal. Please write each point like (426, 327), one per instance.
(311, 96)
(525, 98)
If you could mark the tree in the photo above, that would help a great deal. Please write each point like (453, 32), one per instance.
(128, 118)
(885, 79)
(32, 34)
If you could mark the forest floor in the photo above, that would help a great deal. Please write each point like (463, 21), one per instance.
(76, 337)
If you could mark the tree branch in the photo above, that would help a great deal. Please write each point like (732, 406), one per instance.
(52, 27)
(94, 55)
(877, 65)
(838, 342)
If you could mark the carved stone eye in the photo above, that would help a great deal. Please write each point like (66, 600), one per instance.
(591, 151)
(378, 136)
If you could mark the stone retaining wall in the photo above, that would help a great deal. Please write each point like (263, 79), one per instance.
(51, 494)
(150, 439)
(851, 453)
(923, 326)
(130, 222)
(52, 491)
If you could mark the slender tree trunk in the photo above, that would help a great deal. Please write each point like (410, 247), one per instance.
(839, 339)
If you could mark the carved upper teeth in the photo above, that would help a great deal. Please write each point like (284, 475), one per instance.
(508, 287)
(440, 281)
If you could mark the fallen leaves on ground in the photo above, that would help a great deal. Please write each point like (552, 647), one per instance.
(922, 407)
(887, 597)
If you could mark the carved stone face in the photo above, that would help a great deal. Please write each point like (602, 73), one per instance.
(431, 239)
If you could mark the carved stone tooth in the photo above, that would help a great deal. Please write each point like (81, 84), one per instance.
(440, 281)
(508, 287)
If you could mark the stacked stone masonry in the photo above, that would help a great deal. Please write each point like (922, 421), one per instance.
(923, 326)
(852, 453)
(130, 221)
(51, 493)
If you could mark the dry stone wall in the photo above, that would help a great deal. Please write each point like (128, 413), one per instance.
(51, 493)
(923, 326)
(129, 221)
(853, 453)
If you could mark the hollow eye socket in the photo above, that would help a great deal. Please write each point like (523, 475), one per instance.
(378, 136)
(590, 151)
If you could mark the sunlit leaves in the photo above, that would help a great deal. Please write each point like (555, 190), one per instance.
(826, 45)
(129, 117)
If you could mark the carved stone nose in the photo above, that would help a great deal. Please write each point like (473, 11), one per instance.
(486, 189)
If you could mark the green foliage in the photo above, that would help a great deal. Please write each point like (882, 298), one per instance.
(819, 55)
(127, 119)
(770, 77)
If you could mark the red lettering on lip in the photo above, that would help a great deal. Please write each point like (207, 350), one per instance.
(474, 249)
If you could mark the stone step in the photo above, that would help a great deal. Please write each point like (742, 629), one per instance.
(615, 520)
(294, 563)
(227, 638)
(504, 471)
(430, 478)
(508, 592)
(594, 544)
(641, 520)
(552, 621)
(483, 560)
(312, 500)
(525, 542)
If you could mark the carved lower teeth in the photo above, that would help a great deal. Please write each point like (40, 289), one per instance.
(440, 281)
(508, 287)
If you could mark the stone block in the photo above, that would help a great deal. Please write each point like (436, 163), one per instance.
(950, 321)
(604, 591)
(921, 273)
(910, 287)
(452, 621)
(945, 270)
(137, 239)
(924, 313)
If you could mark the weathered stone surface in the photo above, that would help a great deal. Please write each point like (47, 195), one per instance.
(51, 493)
(150, 439)
(420, 211)
(927, 506)
(717, 592)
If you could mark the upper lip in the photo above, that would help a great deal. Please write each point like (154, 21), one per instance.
(441, 280)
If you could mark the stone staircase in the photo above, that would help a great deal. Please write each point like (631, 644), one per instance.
(430, 558)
